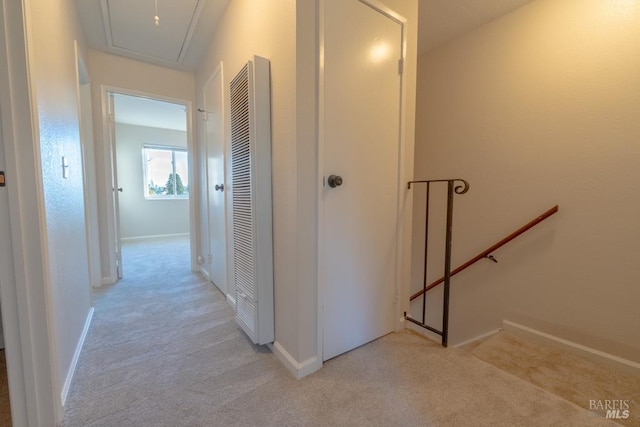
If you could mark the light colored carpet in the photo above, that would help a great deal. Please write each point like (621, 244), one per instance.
(164, 350)
(571, 377)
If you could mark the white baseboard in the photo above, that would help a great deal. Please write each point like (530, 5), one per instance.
(156, 236)
(476, 339)
(106, 281)
(205, 273)
(598, 356)
(231, 300)
(437, 338)
(299, 370)
(424, 332)
(74, 362)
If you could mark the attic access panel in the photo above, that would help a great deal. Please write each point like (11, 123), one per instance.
(129, 26)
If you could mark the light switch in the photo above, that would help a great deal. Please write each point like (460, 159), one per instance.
(65, 168)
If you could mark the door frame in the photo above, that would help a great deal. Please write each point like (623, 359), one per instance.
(403, 217)
(87, 140)
(218, 72)
(9, 303)
(108, 151)
(114, 238)
(26, 320)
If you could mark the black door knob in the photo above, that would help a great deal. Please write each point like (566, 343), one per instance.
(120, 189)
(334, 181)
(219, 187)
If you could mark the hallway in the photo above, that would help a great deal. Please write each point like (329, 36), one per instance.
(155, 336)
(164, 350)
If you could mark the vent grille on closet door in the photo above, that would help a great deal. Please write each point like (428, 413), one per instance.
(251, 197)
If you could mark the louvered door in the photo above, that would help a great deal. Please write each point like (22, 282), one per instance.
(251, 194)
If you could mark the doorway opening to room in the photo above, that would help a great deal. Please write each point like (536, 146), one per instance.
(152, 207)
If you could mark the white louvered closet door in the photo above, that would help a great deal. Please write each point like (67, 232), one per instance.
(251, 196)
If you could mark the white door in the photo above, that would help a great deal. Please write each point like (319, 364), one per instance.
(213, 96)
(362, 84)
(6, 251)
(114, 186)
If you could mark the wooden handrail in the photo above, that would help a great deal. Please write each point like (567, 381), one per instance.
(488, 251)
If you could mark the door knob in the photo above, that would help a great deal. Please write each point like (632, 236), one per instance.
(120, 189)
(334, 181)
(219, 187)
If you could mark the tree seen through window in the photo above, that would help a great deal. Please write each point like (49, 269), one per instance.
(166, 172)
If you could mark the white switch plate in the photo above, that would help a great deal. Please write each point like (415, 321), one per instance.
(65, 168)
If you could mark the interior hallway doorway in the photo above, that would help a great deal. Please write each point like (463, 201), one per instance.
(151, 171)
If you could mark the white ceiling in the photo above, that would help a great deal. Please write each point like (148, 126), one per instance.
(443, 20)
(134, 110)
(127, 28)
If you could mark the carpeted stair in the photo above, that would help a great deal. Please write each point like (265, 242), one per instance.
(573, 378)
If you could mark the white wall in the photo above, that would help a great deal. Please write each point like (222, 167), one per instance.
(266, 28)
(285, 32)
(535, 109)
(54, 102)
(140, 217)
(108, 70)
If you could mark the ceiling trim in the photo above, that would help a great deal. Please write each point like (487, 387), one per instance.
(184, 49)
(106, 22)
(192, 28)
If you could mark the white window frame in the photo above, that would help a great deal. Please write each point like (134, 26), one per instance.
(173, 150)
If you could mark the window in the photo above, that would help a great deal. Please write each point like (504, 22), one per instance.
(166, 172)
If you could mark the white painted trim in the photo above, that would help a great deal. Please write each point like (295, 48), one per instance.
(424, 332)
(385, 10)
(10, 302)
(192, 149)
(403, 218)
(76, 356)
(205, 273)
(298, 369)
(194, 228)
(192, 28)
(228, 191)
(140, 56)
(104, 145)
(30, 358)
(574, 348)
(87, 143)
(320, 279)
(478, 338)
(153, 237)
(218, 73)
(106, 281)
(231, 300)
